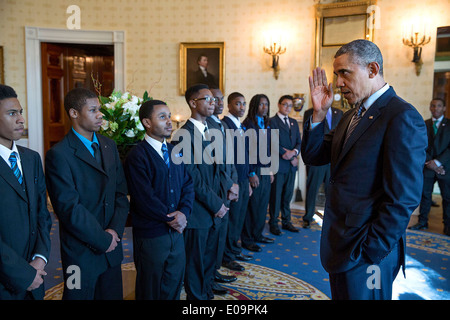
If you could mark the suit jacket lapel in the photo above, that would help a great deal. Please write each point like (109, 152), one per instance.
(28, 173)
(368, 119)
(82, 152)
(10, 178)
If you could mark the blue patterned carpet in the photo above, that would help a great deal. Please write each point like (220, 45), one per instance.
(290, 268)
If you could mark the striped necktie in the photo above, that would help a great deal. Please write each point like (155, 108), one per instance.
(355, 120)
(15, 167)
(165, 152)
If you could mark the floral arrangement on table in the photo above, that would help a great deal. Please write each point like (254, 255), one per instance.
(121, 119)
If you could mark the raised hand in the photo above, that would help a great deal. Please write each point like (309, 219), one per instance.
(321, 94)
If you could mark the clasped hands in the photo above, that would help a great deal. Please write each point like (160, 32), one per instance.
(433, 166)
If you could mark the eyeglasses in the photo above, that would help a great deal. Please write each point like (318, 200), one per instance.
(208, 99)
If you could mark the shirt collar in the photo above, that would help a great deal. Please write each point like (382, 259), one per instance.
(199, 125)
(155, 144)
(281, 116)
(6, 152)
(368, 103)
(235, 120)
(439, 119)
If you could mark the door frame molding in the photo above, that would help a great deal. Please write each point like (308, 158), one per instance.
(33, 38)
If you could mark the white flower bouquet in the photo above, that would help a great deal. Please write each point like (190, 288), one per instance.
(121, 119)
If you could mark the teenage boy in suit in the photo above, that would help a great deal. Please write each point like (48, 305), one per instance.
(88, 191)
(161, 197)
(201, 240)
(24, 219)
(283, 185)
(238, 209)
(377, 154)
(437, 166)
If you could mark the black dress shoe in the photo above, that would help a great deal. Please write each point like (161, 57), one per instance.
(289, 227)
(243, 257)
(218, 277)
(252, 247)
(419, 226)
(306, 224)
(233, 265)
(218, 289)
(265, 240)
(275, 230)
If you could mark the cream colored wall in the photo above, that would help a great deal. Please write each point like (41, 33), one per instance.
(154, 29)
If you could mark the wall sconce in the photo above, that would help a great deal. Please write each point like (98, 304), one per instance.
(416, 35)
(275, 49)
(177, 120)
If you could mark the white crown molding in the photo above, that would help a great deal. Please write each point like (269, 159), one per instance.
(33, 38)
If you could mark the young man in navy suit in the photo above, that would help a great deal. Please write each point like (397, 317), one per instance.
(283, 185)
(24, 219)
(161, 199)
(437, 166)
(377, 154)
(238, 209)
(88, 191)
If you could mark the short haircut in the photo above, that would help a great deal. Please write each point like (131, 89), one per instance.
(439, 99)
(201, 56)
(146, 109)
(286, 96)
(234, 95)
(362, 52)
(7, 92)
(76, 99)
(193, 90)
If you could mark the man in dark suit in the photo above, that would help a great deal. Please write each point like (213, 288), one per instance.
(88, 191)
(161, 197)
(238, 209)
(316, 175)
(201, 240)
(437, 166)
(282, 188)
(229, 191)
(24, 219)
(377, 154)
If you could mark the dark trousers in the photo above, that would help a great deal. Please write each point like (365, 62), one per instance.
(316, 175)
(281, 194)
(425, 203)
(256, 211)
(160, 264)
(106, 286)
(366, 281)
(237, 212)
(201, 257)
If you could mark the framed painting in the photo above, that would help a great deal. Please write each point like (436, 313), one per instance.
(202, 62)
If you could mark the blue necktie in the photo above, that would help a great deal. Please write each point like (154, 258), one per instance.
(165, 152)
(15, 167)
(329, 119)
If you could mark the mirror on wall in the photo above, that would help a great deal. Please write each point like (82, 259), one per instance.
(337, 24)
(441, 84)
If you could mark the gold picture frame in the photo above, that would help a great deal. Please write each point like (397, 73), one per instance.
(2, 68)
(190, 73)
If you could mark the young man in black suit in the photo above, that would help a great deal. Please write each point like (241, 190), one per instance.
(283, 185)
(238, 209)
(437, 166)
(88, 191)
(24, 219)
(201, 241)
(161, 198)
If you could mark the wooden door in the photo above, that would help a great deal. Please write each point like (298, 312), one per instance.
(65, 67)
